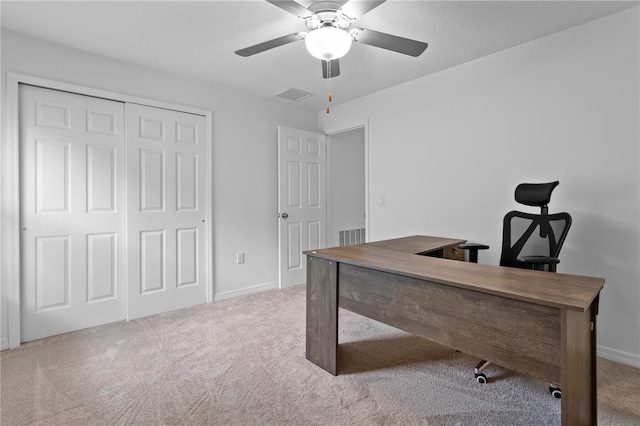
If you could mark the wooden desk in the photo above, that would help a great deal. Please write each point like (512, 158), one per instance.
(533, 322)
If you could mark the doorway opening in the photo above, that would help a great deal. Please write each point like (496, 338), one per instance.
(347, 187)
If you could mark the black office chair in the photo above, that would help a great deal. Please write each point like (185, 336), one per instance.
(530, 241)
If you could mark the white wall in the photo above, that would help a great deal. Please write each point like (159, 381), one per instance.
(244, 149)
(346, 183)
(448, 149)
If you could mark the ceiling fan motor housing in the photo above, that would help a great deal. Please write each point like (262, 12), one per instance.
(331, 18)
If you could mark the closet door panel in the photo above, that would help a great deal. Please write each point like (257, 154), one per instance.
(166, 216)
(72, 217)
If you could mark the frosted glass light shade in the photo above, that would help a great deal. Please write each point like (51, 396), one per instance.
(328, 43)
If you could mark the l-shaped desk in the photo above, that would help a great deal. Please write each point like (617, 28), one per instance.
(536, 323)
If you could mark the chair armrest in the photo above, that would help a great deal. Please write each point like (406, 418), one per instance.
(538, 262)
(473, 250)
(473, 246)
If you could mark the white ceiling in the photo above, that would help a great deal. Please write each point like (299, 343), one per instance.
(198, 38)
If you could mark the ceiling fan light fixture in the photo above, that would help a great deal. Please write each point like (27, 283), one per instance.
(328, 43)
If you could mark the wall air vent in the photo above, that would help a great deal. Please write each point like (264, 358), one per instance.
(294, 94)
(350, 237)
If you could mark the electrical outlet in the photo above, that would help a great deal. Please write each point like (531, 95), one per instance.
(240, 257)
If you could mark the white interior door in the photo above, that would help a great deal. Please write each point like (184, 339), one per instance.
(166, 210)
(72, 198)
(301, 200)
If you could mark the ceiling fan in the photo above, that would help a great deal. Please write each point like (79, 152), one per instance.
(330, 34)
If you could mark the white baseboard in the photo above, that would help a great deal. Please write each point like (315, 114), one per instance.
(244, 291)
(292, 285)
(619, 356)
(4, 344)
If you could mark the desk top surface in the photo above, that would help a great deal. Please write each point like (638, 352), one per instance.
(399, 256)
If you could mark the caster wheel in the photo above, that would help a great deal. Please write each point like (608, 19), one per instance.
(481, 378)
(555, 392)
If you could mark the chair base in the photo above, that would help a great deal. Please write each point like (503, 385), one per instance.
(480, 376)
(555, 391)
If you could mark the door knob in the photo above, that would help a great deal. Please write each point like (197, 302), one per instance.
(284, 215)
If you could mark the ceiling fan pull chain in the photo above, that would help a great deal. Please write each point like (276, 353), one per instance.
(329, 96)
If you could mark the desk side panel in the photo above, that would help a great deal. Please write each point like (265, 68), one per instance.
(418, 244)
(322, 313)
(579, 384)
(517, 335)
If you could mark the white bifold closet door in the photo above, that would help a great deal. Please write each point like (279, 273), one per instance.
(112, 211)
(166, 210)
(72, 203)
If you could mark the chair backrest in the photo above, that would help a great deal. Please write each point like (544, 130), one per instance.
(527, 234)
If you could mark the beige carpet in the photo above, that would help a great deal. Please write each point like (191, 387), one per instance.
(241, 361)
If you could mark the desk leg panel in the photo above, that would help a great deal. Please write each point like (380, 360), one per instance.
(514, 334)
(578, 352)
(322, 313)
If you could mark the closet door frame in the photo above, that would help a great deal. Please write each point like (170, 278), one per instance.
(10, 260)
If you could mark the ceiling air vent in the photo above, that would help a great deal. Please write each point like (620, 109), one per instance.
(294, 94)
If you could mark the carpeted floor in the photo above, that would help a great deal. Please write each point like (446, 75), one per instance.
(241, 361)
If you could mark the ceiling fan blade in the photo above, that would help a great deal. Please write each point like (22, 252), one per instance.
(261, 47)
(292, 7)
(390, 42)
(355, 9)
(330, 69)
